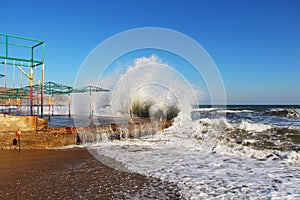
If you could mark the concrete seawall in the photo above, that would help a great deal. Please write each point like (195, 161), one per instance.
(34, 132)
(36, 140)
(24, 123)
(37, 135)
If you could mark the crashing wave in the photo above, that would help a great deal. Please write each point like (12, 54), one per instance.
(244, 138)
(249, 126)
(285, 112)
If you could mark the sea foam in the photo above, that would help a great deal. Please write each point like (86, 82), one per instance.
(204, 164)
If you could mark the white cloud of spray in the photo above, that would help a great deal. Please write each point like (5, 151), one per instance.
(95, 64)
(149, 79)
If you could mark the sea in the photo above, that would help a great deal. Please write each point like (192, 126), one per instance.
(232, 152)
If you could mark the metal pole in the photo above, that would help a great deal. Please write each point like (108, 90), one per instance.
(31, 90)
(69, 105)
(9, 106)
(37, 98)
(21, 75)
(13, 74)
(31, 83)
(34, 75)
(5, 73)
(49, 103)
(52, 105)
(18, 106)
(6, 39)
(21, 88)
(42, 92)
(49, 100)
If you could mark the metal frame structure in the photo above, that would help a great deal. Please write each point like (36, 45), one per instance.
(7, 59)
(15, 94)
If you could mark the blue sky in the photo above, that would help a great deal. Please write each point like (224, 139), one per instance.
(255, 44)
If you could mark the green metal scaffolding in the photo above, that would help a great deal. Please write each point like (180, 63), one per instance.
(9, 58)
(12, 44)
(50, 89)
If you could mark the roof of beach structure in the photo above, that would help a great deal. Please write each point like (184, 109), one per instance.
(50, 88)
(89, 89)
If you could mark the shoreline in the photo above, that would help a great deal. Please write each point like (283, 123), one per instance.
(73, 174)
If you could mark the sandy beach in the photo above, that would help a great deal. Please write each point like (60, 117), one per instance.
(73, 174)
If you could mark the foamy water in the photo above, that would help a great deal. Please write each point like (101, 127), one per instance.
(206, 162)
(202, 174)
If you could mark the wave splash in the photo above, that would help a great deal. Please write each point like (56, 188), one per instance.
(212, 158)
(151, 80)
(285, 112)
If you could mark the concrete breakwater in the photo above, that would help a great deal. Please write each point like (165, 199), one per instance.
(37, 135)
(93, 133)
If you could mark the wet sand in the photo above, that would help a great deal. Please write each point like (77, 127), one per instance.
(73, 174)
